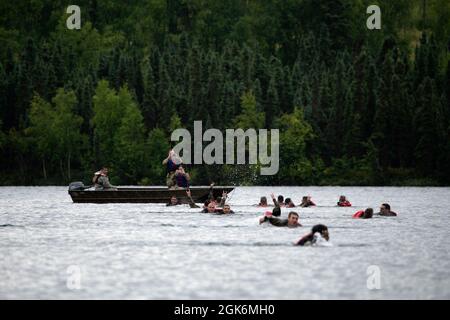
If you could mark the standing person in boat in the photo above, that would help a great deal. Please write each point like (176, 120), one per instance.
(182, 178)
(385, 210)
(343, 202)
(172, 162)
(101, 180)
(319, 233)
(307, 202)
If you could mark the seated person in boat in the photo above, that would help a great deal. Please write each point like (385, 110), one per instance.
(307, 202)
(181, 178)
(174, 201)
(385, 210)
(318, 234)
(364, 214)
(172, 162)
(101, 180)
(343, 202)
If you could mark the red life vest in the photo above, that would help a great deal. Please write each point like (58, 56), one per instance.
(358, 214)
(346, 203)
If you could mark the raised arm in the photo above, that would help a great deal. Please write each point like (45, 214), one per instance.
(275, 202)
(211, 192)
(190, 200)
(223, 199)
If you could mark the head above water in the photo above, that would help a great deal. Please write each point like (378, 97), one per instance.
(226, 209)
(368, 213)
(280, 199)
(322, 229)
(263, 201)
(342, 198)
(173, 200)
(211, 207)
(292, 218)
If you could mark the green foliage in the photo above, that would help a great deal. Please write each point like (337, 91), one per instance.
(107, 118)
(295, 134)
(56, 131)
(156, 152)
(2, 137)
(250, 117)
(41, 121)
(374, 103)
(129, 140)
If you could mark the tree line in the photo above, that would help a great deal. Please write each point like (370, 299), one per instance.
(354, 107)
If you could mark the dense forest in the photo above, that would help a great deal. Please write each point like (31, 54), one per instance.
(354, 106)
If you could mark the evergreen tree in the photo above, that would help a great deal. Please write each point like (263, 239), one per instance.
(295, 133)
(157, 148)
(106, 120)
(41, 123)
(250, 117)
(383, 120)
(150, 103)
(67, 130)
(271, 104)
(129, 141)
(428, 124)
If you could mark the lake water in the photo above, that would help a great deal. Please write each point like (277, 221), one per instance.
(149, 251)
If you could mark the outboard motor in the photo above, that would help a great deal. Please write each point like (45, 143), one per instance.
(77, 186)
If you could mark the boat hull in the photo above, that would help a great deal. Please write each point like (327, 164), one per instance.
(144, 195)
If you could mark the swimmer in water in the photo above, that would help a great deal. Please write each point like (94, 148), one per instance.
(280, 200)
(226, 210)
(174, 201)
(364, 214)
(213, 208)
(385, 211)
(263, 202)
(307, 202)
(343, 202)
(288, 203)
(318, 233)
(210, 197)
(290, 222)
